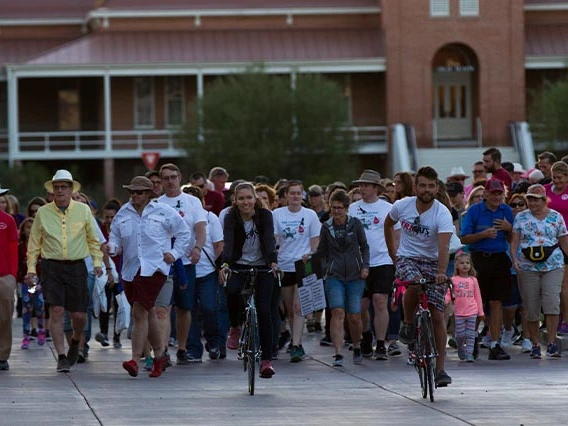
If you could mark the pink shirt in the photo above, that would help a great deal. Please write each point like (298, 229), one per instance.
(558, 202)
(468, 297)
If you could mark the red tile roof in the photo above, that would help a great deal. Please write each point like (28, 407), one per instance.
(202, 47)
(18, 51)
(546, 40)
(233, 4)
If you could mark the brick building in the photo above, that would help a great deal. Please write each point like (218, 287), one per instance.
(101, 82)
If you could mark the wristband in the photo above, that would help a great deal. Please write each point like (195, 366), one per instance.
(197, 247)
(109, 269)
(224, 265)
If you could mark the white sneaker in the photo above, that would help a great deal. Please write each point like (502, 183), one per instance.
(507, 338)
(526, 346)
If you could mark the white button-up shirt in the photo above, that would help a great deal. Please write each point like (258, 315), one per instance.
(145, 238)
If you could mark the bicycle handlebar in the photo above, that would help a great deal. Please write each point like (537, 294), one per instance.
(254, 270)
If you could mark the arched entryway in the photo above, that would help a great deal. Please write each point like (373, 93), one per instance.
(454, 93)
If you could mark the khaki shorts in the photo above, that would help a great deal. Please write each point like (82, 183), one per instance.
(540, 289)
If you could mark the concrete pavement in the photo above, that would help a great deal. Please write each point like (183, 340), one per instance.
(516, 392)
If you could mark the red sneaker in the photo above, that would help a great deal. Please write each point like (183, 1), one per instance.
(159, 366)
(233, 339)
(266, 369)
(131, 366)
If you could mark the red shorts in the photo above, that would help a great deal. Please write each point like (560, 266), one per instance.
(144, 290)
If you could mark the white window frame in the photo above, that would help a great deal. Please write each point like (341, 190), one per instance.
(469, 7)
(4, 101)
(166, 102)
(439, 8)
(137, 125)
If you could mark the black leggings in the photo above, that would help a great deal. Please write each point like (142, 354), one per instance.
(263, 295)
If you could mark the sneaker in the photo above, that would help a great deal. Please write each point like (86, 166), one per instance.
(148, 363)
(486, 342)
(311, 325)
(442, 379)
(289, 347)
(63, 365)
(41, 337)
(25, 342)
(158, 366)
(476, 348)
(337, 361)
(168, 361)
(552, 351)
(266, 369)
(4, 366)
(116, 344)
(172, 343)
(131, 366)
(318, 327)
(214, 353)
(73, 352)
(461, 353)
(526, 346)
(562, 329)
(48, 337)
(367, 344)
(535, 352)
(33, 334)
(326, 341)
(406, 333)
(498, 354)
(102, 339)
(469, 358)
(233, 339)
(357, 356)
(452, 343)
(519, 340)
(81, 358)
(283, 339)
(193, 359)
(296, 354)
(393, 350)
(182, 358)
(507, 338)
(381, 353)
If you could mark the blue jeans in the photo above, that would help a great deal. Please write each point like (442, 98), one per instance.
(205, 303)
(346, 295)
(222, 320)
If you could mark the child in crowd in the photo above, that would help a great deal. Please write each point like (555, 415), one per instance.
(32, 299)
(467, 305)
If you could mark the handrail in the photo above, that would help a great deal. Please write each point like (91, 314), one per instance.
(400, 158)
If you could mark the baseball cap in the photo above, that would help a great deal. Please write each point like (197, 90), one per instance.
(494, 185)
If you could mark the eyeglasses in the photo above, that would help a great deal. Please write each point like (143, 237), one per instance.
(337, 208)
(137, 192)
(170, 177)
(516, 205)
(61, 187)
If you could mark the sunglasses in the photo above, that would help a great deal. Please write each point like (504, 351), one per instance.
(516, 205)
(137, 192)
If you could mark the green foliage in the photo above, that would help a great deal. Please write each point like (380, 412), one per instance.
(257, 124)
(551, 110)
(24, 182)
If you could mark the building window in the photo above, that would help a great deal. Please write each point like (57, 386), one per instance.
(469, 7)
(174, 101)
(439, 7)
(69, 110)
(3, 108)
(143, 102)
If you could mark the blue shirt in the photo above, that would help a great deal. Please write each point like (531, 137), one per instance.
(478, 218)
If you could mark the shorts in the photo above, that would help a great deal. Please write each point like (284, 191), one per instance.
(144, 290)
(288, 280)
(411, 268)
(184, 298)
(515, 301)
(164, 299)
(64, 284)
(344, 295)
(379, 281)
(541, 289)
(493, 275)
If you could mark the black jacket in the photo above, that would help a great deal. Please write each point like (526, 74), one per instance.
(234, 235)
(344, 263)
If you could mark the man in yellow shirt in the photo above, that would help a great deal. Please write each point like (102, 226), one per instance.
(63, 235)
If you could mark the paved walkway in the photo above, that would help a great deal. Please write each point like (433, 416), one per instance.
(516, 392)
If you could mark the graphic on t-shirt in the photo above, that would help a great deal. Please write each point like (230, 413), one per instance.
(463, 290)
(415, 227)
(178, 208)
(252, 235)
(291, 228)
(368, 218)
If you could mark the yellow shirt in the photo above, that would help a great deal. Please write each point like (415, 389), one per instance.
(69, 235)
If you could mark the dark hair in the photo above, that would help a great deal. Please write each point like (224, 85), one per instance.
(478, 163)
(294, 183)
(427, 172)
(507, 165)
(407, 181)
(494, 153)
(40, 201)
(151, 173)
(197, 176)
(21, 227)
(195, 191)
(112, 204)
(341, 196)
(547, 155)
(250, 186)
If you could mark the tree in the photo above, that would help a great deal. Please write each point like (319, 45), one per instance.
(550, 110)
(257, 124)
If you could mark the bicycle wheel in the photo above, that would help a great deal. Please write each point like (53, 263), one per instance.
(419, 362)
(429, 352)
(251, 349)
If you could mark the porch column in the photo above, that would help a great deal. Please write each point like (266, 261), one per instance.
(13, 121)
(199, 97)
(108, 178)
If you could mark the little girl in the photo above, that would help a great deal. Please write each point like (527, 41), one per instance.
(467, 305)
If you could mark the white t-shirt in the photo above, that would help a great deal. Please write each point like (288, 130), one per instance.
(192, 212)
(214, 235)
(419, 233)
(373, 216)
(293, 233)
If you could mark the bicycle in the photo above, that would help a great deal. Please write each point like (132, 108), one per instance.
(423, 351)
(249, 350)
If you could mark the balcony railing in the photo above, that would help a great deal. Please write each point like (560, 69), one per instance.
(130, 143)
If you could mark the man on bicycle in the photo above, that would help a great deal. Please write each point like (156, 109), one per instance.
(423, 252)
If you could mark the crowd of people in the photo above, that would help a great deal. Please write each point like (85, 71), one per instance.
(501, 240)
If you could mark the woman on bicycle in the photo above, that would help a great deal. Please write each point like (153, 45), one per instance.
(345, 252)
(249, 242)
